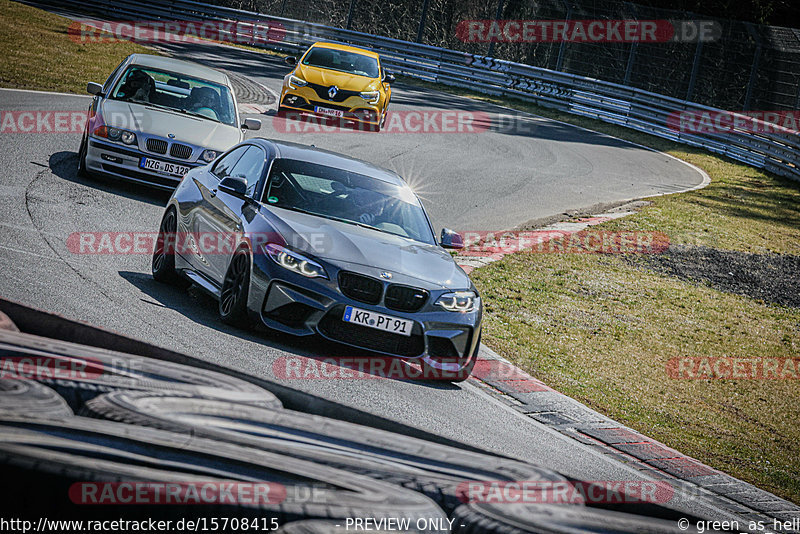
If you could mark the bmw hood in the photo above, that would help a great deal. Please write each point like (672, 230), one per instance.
(187, 129)
(352, 247)
(342, 80)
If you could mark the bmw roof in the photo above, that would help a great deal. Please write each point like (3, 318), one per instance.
(297, 151)
(179, 66)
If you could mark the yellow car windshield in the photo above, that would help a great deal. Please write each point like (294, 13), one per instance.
(343, 61)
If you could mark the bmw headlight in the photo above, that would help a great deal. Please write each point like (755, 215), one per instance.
(458, 301)
(115, 134)
(371, 97)
(128, 138)
(289, 259)
(296, 81)
(209, 155)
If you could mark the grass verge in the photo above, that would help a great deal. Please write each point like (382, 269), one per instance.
(601, 328)
(37, 53)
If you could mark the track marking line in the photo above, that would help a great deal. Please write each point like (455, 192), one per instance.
(44, 92)
(54, 258)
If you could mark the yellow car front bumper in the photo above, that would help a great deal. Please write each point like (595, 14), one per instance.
(309, 99)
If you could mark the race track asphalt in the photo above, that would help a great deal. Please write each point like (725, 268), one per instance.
(493, 180)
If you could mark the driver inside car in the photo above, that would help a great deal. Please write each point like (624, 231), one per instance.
(201, 99)
(361, 66)
(138, 86)
(369, 204)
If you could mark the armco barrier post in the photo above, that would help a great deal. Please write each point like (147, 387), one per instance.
(422, 16)
(563, 44)
(633, 45)
(754, 68)
(698, 54)
(497, 16)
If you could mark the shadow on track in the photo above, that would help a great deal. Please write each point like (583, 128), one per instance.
(65, 165)
(197, 306)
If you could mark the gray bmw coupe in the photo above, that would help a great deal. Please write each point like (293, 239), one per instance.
(313, 242)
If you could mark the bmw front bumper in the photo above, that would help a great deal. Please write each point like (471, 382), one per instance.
(293, 304)
(122, 162)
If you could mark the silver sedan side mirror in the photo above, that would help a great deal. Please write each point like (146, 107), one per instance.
(94, 88)
(251, 124)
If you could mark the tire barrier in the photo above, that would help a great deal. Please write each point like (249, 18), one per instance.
(556, 519)
(79, 372)
(32, 399)
(74, 464)
(429, 468)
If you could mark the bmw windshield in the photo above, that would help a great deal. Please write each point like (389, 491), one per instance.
(349, 197)
(176, 92)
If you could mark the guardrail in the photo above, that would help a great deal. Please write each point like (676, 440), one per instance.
(630, 107)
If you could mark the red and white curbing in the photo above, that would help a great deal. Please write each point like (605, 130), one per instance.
(553, 231)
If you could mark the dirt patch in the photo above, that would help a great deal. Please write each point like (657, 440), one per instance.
(593, 210)
(773, 278)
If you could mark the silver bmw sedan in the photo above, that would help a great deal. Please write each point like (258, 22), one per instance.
(155, 118)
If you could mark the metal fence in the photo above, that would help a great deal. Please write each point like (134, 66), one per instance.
(750, 67)
(626, 105)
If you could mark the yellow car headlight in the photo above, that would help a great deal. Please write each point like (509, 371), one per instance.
(371, 97)
(296, 82)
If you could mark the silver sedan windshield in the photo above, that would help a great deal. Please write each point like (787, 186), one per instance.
(176, 92)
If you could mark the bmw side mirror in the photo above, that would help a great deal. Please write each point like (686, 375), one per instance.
(451, 239)
(290, 60)
(234, 185)
(251, 124)
(94, 88)
(389, 78)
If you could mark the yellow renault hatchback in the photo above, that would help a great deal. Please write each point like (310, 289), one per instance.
(339, 81)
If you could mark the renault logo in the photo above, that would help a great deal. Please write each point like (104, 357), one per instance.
(332, 91)
(387, 275)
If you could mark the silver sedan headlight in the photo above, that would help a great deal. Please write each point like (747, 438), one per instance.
(459, 301)
(209, 155)
(115, 134)
(128, 138)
